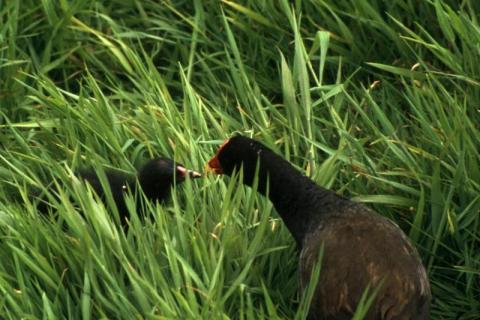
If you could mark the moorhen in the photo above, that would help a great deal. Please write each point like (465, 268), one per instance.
(361, 249)
(155, 178)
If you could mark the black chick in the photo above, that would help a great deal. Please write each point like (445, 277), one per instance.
(155, 178)
(361, 248)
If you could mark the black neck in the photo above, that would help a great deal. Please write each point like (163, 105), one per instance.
(297, 198)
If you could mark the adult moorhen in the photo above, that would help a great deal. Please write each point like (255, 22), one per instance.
(155, 178)
(361, 248)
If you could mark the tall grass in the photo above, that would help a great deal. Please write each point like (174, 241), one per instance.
(378, 100)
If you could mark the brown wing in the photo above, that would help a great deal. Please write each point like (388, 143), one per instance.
(362, 249)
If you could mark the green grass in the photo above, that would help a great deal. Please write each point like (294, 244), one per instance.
(379, 100)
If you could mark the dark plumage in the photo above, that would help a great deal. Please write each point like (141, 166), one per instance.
(361, 248)
(155, 178)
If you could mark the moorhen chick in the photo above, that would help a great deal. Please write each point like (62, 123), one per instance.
(361, 248)
(155, 178)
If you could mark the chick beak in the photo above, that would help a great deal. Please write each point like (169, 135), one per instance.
(184, 173)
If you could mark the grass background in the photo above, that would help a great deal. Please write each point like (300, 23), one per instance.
(378, 100)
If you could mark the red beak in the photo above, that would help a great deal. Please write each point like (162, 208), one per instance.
(214, 164)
